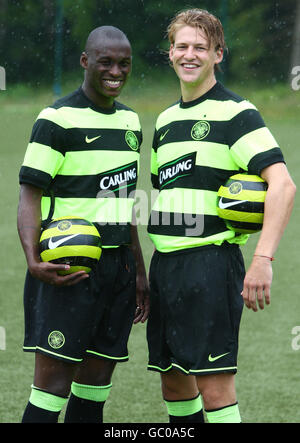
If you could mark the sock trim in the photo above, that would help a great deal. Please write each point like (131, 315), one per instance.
(182, 408)
(226, 414)
(219, 409)
(45, 400)
(90, 392)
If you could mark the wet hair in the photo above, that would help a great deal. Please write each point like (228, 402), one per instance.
(201, 19)
(102, 33)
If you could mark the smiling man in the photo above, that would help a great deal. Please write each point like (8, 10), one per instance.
(106, 71)
(196, 278)
(193, 58)
(83, 160)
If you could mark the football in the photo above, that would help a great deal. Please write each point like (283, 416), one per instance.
(73, 241)
(240, 203)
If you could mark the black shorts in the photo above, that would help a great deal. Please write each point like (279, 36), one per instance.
(93, 317)
(195, 310)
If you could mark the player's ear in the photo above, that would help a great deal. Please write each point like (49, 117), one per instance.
(171, 53)
(219, 55)
(84, 60)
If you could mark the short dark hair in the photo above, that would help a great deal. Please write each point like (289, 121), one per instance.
(103, 32)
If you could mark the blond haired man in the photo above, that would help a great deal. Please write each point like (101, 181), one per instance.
(197, 272)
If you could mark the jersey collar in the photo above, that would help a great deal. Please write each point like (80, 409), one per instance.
(92, 105)
(202, 98)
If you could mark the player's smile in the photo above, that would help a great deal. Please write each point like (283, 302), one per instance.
(112, 85)
(189, 66)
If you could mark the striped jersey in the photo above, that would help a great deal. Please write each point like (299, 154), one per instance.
(86, 160)
(197, 146)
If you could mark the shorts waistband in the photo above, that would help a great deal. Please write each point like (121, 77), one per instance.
(116, 249)
(224, 245)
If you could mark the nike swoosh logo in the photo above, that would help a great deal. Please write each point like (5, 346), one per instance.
(90, 140)
(211, 359)
(163, 135)
(54, 244)
(227, 205)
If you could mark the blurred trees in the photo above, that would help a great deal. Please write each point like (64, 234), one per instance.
(295, 59)
(259, 35)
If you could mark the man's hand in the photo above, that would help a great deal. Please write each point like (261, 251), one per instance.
(142, 299)
(257, 283)
(48, 273)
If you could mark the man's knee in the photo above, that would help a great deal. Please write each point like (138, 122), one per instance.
(177, 386)
(217, 390)
(95, 372)
(53, 375)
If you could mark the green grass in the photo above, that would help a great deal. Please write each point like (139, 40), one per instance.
(268, 378)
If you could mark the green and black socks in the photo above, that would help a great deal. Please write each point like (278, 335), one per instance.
(43, 407)
(85, 405)
(185, 411)
(227, 414)
(191, 411)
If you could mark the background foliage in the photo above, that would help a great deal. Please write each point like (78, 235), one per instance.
(259, 35)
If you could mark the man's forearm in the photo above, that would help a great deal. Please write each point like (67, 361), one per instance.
(277, 212)
(29, 222)
(136, 249)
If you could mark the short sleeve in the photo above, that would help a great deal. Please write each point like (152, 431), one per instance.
(42, 158)
(252, 145)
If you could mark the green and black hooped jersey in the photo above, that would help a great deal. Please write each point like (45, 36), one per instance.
(86, 160)
(197, 146)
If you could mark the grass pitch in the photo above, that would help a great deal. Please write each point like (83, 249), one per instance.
(268, 379)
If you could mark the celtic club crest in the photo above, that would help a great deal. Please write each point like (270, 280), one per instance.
(235, 188)
(200, 130)
(131, 140)
(56, 339)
